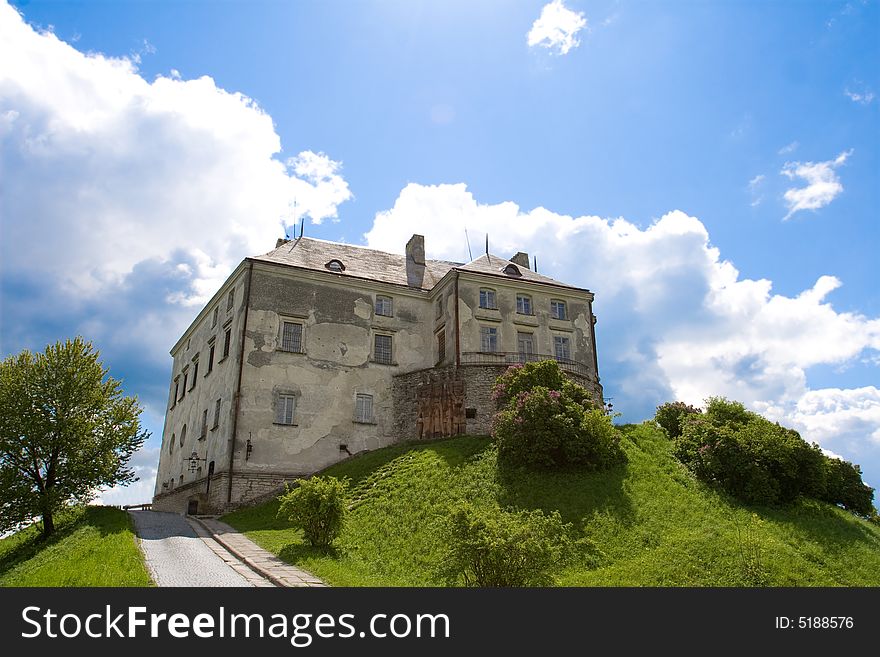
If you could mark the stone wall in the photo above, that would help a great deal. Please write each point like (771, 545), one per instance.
(247, 489)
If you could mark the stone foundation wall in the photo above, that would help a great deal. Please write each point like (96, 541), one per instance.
(248, 488)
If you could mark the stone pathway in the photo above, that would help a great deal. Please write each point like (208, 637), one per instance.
(189, 551)
(177, 556)
(279, 572)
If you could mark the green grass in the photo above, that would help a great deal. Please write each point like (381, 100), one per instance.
(649, 522)
(93, 546)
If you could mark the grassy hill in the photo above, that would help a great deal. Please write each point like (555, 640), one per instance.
(93, 546)
(647, 523)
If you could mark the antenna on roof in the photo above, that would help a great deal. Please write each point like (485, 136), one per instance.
(535, 266)
(302, 224)
(468, 240)
(487, 246)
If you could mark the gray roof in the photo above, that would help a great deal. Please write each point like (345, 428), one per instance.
(365, 263)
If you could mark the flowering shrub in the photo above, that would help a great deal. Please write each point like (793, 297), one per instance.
(670, 416)
(761, 462)
(541, 427)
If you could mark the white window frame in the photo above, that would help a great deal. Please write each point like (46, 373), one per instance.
(490, 303)
(555, 306)
(489, 338)
(363, 408)
(562, 341)
(285, 409)
(382, 304)
(524, 304)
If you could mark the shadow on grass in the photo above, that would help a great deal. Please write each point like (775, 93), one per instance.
(820, 522)
(294, 553)
(575, 494)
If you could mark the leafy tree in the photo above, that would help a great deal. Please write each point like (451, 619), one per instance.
(66, 431)
(671, 415)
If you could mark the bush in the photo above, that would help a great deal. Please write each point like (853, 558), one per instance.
(671, 415)
(491, 547)
(317, 506)
(545, 429)
(844, 486)
(748, 456)
(547, 421)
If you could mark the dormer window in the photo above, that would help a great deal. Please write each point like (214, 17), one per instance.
(512, 270)
(335, 265)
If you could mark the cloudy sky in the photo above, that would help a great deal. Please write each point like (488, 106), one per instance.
(710, 170)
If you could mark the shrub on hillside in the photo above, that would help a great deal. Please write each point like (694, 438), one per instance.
(547, 421)
(317, 506)
(844, 486)
(492, 547)
(761, 462)
(671, 415)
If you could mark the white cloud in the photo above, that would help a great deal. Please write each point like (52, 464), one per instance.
(103, 170)
(863, 97)
(755, 185)
(789, 148)
(556, 28)
(676, 321)
(823, 184)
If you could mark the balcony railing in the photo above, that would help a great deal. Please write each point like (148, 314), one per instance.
(514, 357)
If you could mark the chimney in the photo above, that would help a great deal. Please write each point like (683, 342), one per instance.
(415, 249)
(521, 259)
(281, 241)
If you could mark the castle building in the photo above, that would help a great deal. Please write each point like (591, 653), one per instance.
(316, 351)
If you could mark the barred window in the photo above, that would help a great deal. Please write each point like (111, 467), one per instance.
(227, 340)
(382, 350)
(558, 310)
(284, 409)
(523, 304)
(487, 299)
(216, 415)
(363, 408)
(562, 347)
(291, 337)
(441, 346)
(384, 306)
(488, 338)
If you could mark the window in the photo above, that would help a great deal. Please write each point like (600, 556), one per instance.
(383, 306)
(291, 337)
(487, 299)
(363, 411)
(441, 346)
(214, 316)
(195, 376)
(558, 310)
(438, 309)
(284, 409)
(183, 389)
(230, 300)
(512, 270)
(525, 344)
(562, 347)
(216, 415)
(523, 304)
(382, 349)
(204, 431)
(227, 340)
(488, 338)
(182, 435)
(176, 391)
(335, 265)
(211, 349)
(171, 444)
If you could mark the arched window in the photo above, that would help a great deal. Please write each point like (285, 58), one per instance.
(512, 270)
(335, 265)
(171, 443)
(182, 435)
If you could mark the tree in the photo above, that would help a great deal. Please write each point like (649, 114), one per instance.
(66, 431)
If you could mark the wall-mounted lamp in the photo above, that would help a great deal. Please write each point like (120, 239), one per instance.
(248, 448)
(194, 461)
(344, 448)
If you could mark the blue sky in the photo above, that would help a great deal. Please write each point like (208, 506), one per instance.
(709, 170)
